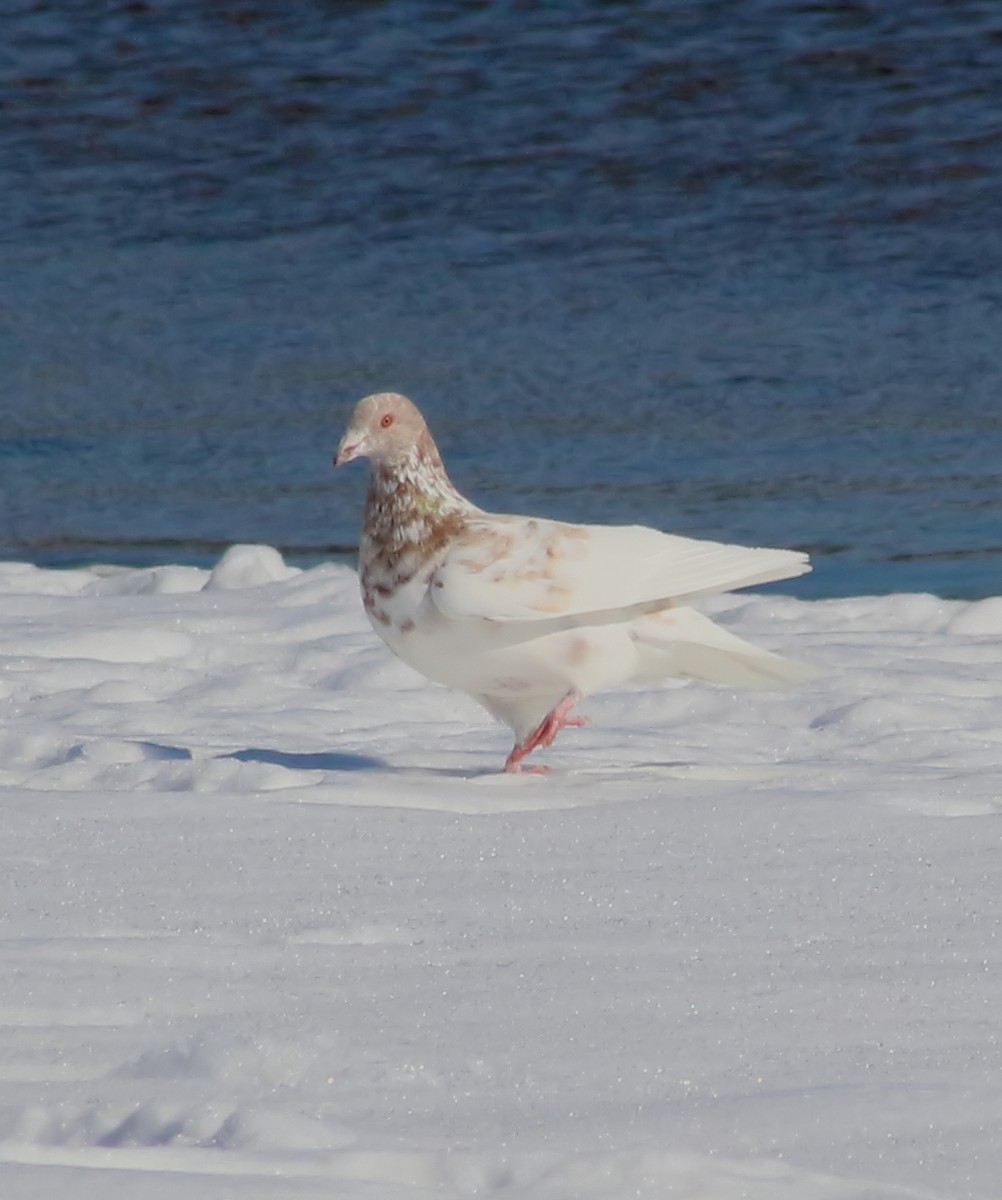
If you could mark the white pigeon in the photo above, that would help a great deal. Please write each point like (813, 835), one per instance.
(529, 615)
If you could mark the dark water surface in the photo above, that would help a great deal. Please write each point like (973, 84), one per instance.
(729, 267)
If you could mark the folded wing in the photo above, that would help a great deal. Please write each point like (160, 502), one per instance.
(524, 569)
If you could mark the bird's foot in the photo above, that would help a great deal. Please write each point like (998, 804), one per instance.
(516, 768)
(570, 723)
(544, 734)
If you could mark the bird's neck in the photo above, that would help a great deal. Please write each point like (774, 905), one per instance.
(412, 511)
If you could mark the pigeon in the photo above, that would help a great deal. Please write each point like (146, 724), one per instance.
(530, 615)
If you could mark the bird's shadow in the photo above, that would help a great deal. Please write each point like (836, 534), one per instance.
(338, 760)
(327, 760)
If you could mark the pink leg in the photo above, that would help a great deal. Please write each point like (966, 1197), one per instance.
(544, 735)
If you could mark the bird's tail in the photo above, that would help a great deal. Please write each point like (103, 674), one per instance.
(684, 643)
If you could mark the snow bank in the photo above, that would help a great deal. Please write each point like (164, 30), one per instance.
(269, 916)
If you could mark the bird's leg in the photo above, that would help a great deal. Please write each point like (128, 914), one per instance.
(544, 735)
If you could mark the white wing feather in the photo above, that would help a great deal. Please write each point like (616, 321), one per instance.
(524, 569)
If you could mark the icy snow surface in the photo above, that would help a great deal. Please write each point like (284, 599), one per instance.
(272, 925)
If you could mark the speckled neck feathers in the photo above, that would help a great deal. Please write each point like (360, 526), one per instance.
(412, 512)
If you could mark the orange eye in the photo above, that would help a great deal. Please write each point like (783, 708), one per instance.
(387, 420)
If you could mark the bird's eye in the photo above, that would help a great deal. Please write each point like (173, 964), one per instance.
(386, 420)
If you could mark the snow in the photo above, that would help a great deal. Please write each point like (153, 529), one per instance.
(272, 924)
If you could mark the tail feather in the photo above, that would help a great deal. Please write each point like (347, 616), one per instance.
(684, 643)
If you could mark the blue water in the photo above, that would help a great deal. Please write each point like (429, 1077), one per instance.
(730, 267)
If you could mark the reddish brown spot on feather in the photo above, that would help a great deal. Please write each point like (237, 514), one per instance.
(554, 601)
(407, 626)
(578, 652)
(487, 547)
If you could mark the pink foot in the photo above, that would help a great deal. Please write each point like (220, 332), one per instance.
(566, 723)
(544, 735)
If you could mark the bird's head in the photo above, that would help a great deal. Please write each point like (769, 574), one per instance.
(385, 428)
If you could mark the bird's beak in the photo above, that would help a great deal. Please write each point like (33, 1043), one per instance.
(351, 446)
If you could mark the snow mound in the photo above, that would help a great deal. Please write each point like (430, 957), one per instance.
(983, 619)
(247, 567)
(156, 581)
